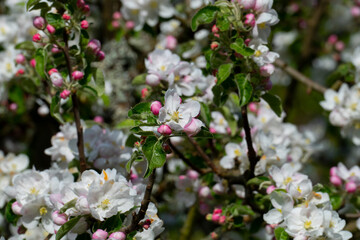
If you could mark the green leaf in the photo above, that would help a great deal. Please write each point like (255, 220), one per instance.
(10, 216)
(42, 5)
(27, 45)
(139, 80)
(68, 205)
(224, 72)
(140, 111)
(220, 96)
(280, 234)
(127, 123)
(139, 131)
(40, 58)
(336, 201)
(55, 20)
(64, 229)
(205, 113)
(240, 47)
(223, 23)
(113, 223)
(274, 102)
(257, 180)
(55, 108)
(204, 16)
(131, 140)
(99, 82)
(134, 157)
(31, 3)
(154, 153)
(244, 87)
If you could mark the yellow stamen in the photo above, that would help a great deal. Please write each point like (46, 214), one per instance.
(8, 67)
(105, 203)
(262, 25)
(336, 99)
(177, 78)
(154, 4)
(43, 211)
(162, 68)
(34, 191)
(237, 153)
(175, 116)
(307, 225)
(134, 11)
(287, 180)
(106, 177)
(257, 53)
(299, 189)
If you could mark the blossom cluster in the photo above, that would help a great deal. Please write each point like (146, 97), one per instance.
(302, 211)
(351, 177)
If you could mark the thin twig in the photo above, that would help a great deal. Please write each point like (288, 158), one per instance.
(48, 237)
(134, 225)
(76, 109)
(299, 76)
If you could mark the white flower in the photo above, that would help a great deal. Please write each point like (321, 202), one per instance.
(161, 63)
(186, 191)
(13, 164)
(262, 53)
(283, 204)
(156, 226)
(264, 21)
(300, 190)
(287, 174)
(334, 225)
(235, 153)
(219, 123)
(175, 114)
(352, 174)
(335, 99)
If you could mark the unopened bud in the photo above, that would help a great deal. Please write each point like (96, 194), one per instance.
(350, 187)
(335, 180)
(66, 17)
(270, 189)
(164, 130)
(214, 45)
(51, 29)
(16, 208)
(117, 236)
(33, 63)
(36, 38)
(155, 107)
(56, 79)
(116, 15)
(100, 234)
(65, 94)
(129, 25)
(20, 59)
(59, 218)
(152, 80)
(77, 75)
(100, 55)
(39, 23)
(84, 24)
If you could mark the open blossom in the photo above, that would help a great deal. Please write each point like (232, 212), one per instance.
(219, 123)
(262, 55)
(235, 154)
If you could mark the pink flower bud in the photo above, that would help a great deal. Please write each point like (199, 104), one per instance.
(214, 45)
(86, 9)
(270, 189)
(20, 59)
(247, 41)
(155, 107)
(192, 174)
(20, 72)
(129, 25)
(116, 15)
(77, 75)
(80, 3)
(171, 42)
(55, 49)
(267, 70)
(204, 192)
(355, 11)
(36, 38)
(144, 93)
(253, 107)
(66, 17)
(164, 130)
(13, 107)
(215, 29)
(333, 171)
(59, 218)
(335, 180)
(193, 127)
(215, 217)
(340, 45)
(100, 55)
(248, 4)
(50, 29)
(39, 23)
(222, 219)
(350, 187)
(99, 119)
(94, 45)
(100, 234)
(53, 70)
(56, 79)
(16, 208)
(212, 130)
(84, 24)
(115, 24)
(65, 94)
(217, 211)
(332, 39)
(117, 236)
(33, 63)
(250, 19)
(214, 235)
(152, 80)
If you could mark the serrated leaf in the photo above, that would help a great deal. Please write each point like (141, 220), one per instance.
(68, 205)
(99, 82)
(64, 229)
(280, 234)
(204, 16)
(27, 45)
(240, 47)
(274, 102)
(40, 58)
(140, 79)
(140, 111)
(244, 87)
(55, 108)
(154, 153)
(224, 72)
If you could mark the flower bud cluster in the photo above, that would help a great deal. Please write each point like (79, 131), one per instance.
(351, 177)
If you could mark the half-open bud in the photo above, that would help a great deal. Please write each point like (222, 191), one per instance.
(39, 23)
(59, 218)
(51, 29)
(193, 127)
(77, 75)
(56, 79)
(152, 80)
(117, 236)
(16, 208)
(100, 234)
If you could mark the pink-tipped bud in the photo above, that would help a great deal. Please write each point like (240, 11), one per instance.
(152, 80)
(51, 71)
(13, 107)
(212, 130)
(36, 38)
(193, 127)
(115, 24)
(55, 49)
(33, 63)
(192, 174)
(66, 17)
(39, 23)
(20, 59)
(248, 4)
(215, 217)
(250, 19)
(65, 94)
(100, 55)
(217, 211)
(253, 107)
(77, 75)
(214, 235)
(129, 25)
(100, 235)
(350, 187)
(214, 45)
(117, 236)
(270, 189)
(116, 16)
(94, 45)
(335, 180)
(16, 208)
(171, 42)
(205, 192)
(56, 79)
(267, 70)
(59, 218)
(99, 119)
(222, 219)
(333, 171)
(355, 11)
(84, 24)
(215, 29)
(332, 39)
(164, 130)
(155, 107)
(340, 46)
(20, 72)
(144, 93)
(50, 29)
(247, 41)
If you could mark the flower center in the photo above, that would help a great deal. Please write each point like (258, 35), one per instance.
(175, 116)
(154, 4)
(162, 68)
(336, 99)
(257, 53)
(237, 153)
(105, 203)
(135, 11)
(43, 211)
(287, 180)
(262, 25)
(177, 78)
(8, 67)
(307, 225)
(34, 191)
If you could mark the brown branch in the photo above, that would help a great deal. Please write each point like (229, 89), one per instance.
(48, 237)
(352, 215)
(187, 161)
(76, 108)
(299, 76)
(253, 158)
(134, 225)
